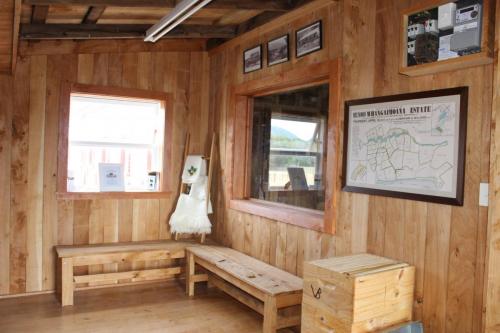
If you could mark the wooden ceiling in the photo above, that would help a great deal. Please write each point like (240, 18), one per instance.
(219, 21)
(99, 19)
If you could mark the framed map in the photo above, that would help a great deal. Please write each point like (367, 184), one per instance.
(409, 146)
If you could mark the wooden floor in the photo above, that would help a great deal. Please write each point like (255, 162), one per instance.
(145, 308)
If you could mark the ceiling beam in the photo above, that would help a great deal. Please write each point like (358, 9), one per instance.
(248, 25)
(298, 3)
(113, 31)
(93, 14)
(267, 16)
(269, 5)
(257, 21)
(39, 14)
(274, 5)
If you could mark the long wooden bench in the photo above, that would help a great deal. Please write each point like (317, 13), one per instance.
(274, 293)
(83, 255)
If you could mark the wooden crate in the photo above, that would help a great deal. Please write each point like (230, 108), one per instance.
(358, 293)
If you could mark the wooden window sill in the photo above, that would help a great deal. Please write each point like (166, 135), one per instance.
(111, 195)
(302, 217)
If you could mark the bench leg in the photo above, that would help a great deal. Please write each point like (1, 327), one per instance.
(67, 285)
(270, 315)
(190, 265)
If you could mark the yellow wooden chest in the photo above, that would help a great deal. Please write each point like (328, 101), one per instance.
(357, 293)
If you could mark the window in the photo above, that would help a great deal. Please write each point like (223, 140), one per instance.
(288, 147)
(124, 127)
(108, 130)
(284, 144)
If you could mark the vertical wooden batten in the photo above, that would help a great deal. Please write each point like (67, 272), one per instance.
(5, 176)
(19, 178)
(60, 68)
(492, 320)
(38, 79)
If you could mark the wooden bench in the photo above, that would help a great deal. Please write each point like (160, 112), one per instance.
(83, 255)
(274, 293)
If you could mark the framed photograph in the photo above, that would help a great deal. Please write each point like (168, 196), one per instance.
(252, 59)
(309, 39)
(409, 146)
(278, 50)
(111, 177)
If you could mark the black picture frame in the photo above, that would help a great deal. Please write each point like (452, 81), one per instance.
(269, 50)
(298, 40)
(245, 70)
(461, 151)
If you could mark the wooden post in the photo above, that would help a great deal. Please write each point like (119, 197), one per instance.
(67, 285)
(209, 178)
(270, 315)
(190, 271)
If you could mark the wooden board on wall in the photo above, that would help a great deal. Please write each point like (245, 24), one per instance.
(492, 320)
(19, 178)
(59, 69)
(38, 79)
(5, 172)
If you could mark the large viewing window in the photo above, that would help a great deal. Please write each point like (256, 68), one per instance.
(113, 130)
(288, 147)
(115, 137)
(284, 143)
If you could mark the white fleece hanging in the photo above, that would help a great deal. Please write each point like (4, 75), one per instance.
(191, 213)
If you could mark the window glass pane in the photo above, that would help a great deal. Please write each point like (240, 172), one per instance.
(288, 147)
(108, 130)
(293, 135)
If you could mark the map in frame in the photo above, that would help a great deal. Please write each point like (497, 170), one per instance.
(408, 146)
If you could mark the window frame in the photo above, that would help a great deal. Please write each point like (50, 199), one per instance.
(239, 148)
(166, 100)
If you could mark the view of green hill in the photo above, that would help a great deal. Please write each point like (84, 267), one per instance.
(281, 138)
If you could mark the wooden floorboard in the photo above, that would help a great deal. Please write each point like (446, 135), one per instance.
(159, 307)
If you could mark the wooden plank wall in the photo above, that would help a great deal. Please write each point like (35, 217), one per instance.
(493, 277)
(32, 220)
(447, 244)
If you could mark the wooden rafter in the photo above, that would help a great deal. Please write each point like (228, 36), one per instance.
(39, 14)
(93, 14)
(267, 16)
(256, 21)
(274, 5)
(112, 31)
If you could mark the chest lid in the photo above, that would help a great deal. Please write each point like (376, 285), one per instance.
(359, 264)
